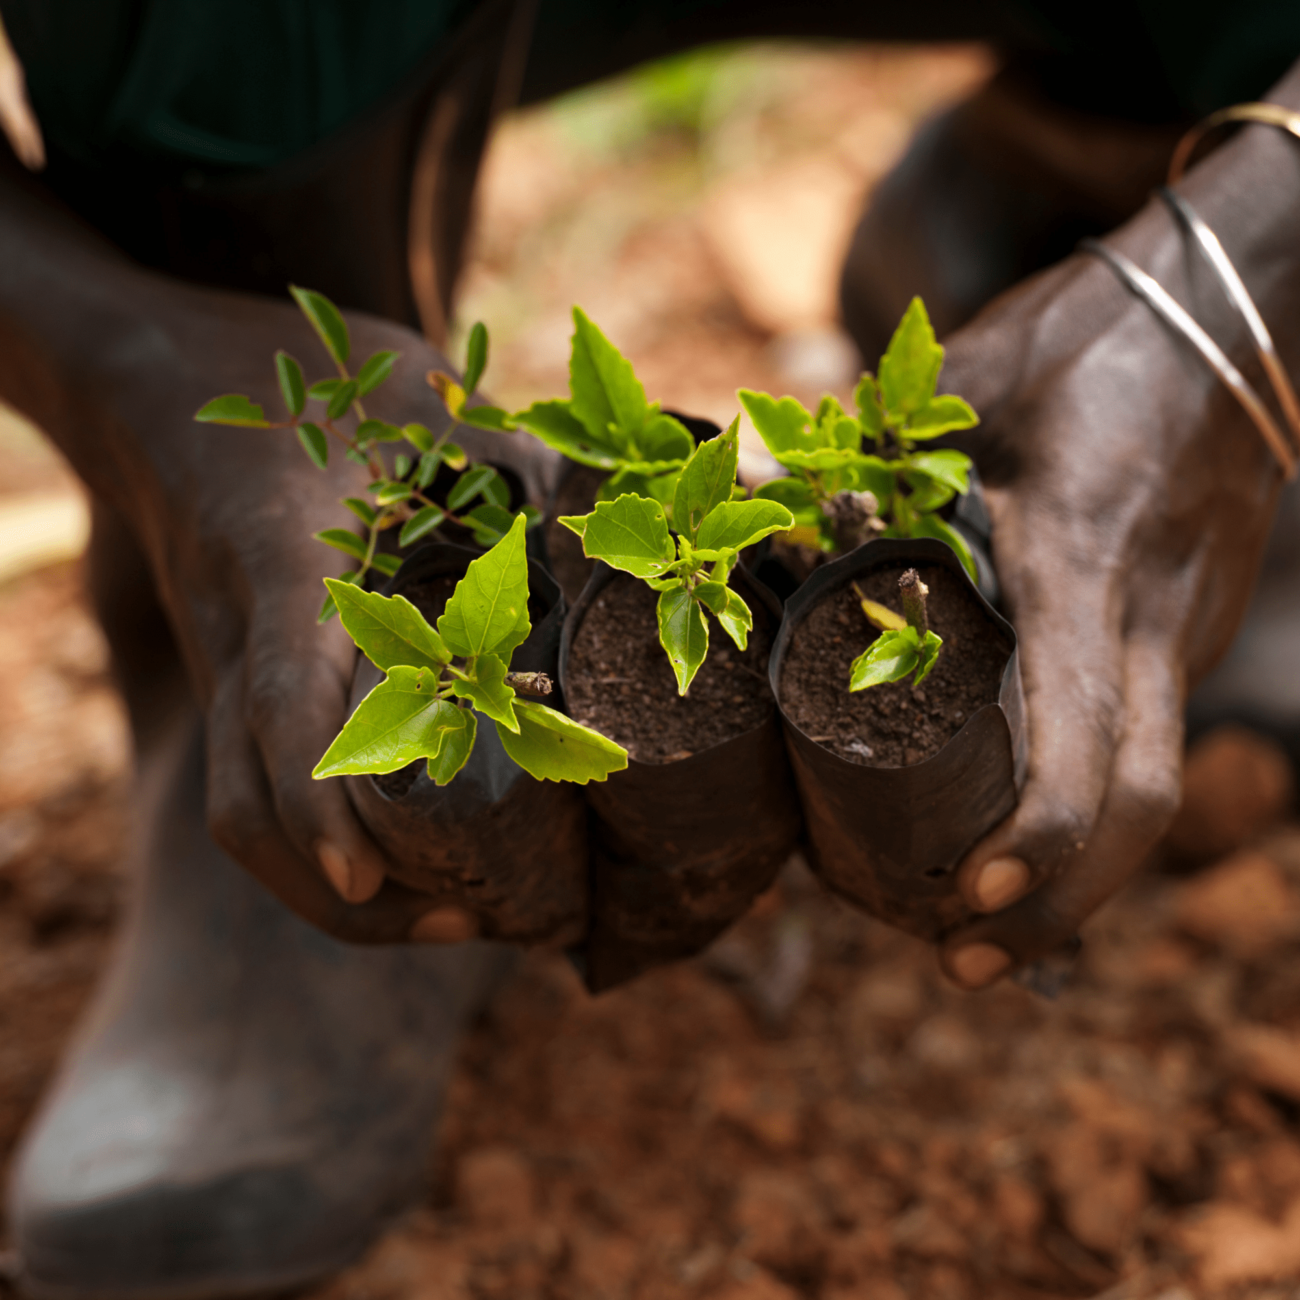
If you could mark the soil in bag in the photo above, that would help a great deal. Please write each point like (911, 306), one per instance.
(705, 814)
(898, 782)
(510, 849)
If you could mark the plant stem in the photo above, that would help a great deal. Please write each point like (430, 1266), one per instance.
(913, 592)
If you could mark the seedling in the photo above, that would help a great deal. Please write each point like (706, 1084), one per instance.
(690, 573)
(400, 496)
(438, 682)
(905, 643)
(841, 496)
(607, 423)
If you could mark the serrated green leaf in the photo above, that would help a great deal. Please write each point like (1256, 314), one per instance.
(457, 745)
(488, 692)
(293, 388)
(234, 409)
(487, 417)
(890, 657)
(362, 509)
(342, 400)
(927, 655)
(684, 634)
(420, 524)
(342, 540)
(469, 485)
(488, 613)
(737, 524)
(737, 620)
(820, 459)
(940, 415)
(871, 415)
(706, 480)
(326, 321)
(933, 526)
(476, 355)
(388, 630)
(555, 424)
(399, 721)
(783, 425)
(418, 436)
(377, 369)
(606, 396)
(551, 747)
(909, 369)
(630, 534)
(314, 443)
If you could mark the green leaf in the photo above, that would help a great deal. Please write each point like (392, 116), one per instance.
(866, 397)
(342, 540)
(476, 355)
(418, 436)
(314, 443)
(469, 485)
(783, 425)
(872, 474)
(458, 744)
(551, 747)
(487, 417)
(342, 400)
(630, 534)
(909, 369)
(737, 524)
(401, 466)
(555, 424)
(933, 526)
(489, 523)
(388, 630)
(684, 634)
(819, 460)
(941, 415)
(606, 394)
(323, 389)
(666, 440)
(531, 515)
(325, 320)
(387, 564)
(293, 388)
(233, 408)
(377, 369)
(420, 524)
(454, 455)
(391, 492)
(890, 657)
(927, 655)
(488, 613)
(796, 494)
(428, 469)
(378, 431)
(496, 491)
(362, 509)
(399, 721)
(737, 620)
(706, 481)
(488, 692)
(712, 595)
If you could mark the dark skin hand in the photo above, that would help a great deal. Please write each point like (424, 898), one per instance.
(1131, 500)
(113, 362)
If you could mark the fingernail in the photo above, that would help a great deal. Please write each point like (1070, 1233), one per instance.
(1001, 881)
(979, 964)
(445, 925)
(336, 867)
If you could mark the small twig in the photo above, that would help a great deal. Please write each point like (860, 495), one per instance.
(913, 592)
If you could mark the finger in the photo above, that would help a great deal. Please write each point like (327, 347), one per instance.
(242, 819)
(1139, 805)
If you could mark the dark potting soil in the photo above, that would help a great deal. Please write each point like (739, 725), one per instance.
(621, 683)
(576, 496)
(894, 725)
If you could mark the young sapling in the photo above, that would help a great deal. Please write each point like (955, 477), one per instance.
(690, 572)
(841, 495)
(905, 643)
(438, 682)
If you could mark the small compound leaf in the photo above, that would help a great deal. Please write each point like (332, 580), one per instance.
(866, 397)
(362, 509)
(706, 481)
(314, 443)
(377, 369)
(737, 620)
(783, 425)
(420, 524)
(457, 745)
(555, 424)
(399, 721)
(933, 526)
(418, 436)
(388, 630)
(476, 355)
(605, 393)
(551, 747)
(927, 655)
(488, 692)
(630, 534)
(487, 417)
(342, 540)
(909, 369)
(235, 409)
(488, 612)
(343, 398)
(326, 321)
(941, 414)
(736, 524)
(684, 634)
(665, 439)
(293, 388)
(469, 485)
(891, 656)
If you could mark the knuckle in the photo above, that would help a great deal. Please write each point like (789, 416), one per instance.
(237, 824)
(1148, 797)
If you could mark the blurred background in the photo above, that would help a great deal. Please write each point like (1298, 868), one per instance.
(807, 1112)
